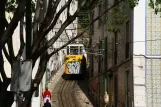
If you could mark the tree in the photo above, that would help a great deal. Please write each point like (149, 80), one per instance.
(155, 4)
(40, 30)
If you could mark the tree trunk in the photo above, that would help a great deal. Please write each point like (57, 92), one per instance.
(2, 17)
(6, 97)
(4, 94)
(39, 75)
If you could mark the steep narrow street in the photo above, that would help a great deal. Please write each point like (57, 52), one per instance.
(68, 93)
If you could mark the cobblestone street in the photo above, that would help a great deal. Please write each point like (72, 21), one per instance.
(80, 90)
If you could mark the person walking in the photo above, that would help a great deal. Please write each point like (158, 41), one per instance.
(47, 95)
(47, 104)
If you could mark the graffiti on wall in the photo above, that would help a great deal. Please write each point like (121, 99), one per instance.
(73, 67)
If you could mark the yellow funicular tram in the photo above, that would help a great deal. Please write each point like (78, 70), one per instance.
(75, 60)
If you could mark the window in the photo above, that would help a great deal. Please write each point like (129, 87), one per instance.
(127, 42)
(73, 50)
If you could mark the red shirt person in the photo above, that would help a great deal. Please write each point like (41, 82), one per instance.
(46, 95)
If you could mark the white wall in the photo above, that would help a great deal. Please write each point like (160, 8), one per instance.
(139, 62)
(139, 28)
(139, 82)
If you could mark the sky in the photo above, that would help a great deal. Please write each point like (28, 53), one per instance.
(139, 28)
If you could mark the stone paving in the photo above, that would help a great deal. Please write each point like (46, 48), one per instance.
(81, 97)
(80, 90)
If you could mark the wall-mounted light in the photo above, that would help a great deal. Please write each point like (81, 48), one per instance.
(106, 98)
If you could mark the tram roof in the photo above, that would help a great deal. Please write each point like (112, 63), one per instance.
(76, 44)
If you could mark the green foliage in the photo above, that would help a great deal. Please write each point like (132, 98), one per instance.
(156, 5)
(133, 3)
(11, 6)
(151, 4)
(117, 16)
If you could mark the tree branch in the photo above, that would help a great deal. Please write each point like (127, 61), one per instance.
(69, 20)
(36, 21)
(80, 34)
(39, 75)
(7, 55)
(68, 8)
(14, 22)
(49, 15)
(10, 49)
(35, 46)
(22, 45)
(57, 17)
(66, 23)
(52, 40)
(3, 74)
(2, 17)
(67, 34)
(6, 22)
(70, 41)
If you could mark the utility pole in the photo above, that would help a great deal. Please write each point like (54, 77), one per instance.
(105, 73)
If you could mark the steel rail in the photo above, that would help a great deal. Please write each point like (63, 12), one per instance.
(65, 92)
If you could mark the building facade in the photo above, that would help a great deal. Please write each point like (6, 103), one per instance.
(152, 64)
(147, 89)
(111, 49)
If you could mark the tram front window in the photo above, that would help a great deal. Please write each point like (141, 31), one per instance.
(74, 50)
(81, 49)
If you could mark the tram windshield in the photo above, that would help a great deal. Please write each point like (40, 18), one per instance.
(75, 50)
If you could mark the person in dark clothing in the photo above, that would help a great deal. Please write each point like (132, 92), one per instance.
(47, 104)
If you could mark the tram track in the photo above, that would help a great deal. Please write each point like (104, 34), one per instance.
(65, 93)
